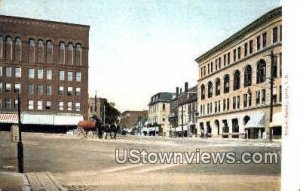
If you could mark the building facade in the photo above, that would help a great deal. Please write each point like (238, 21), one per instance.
(234, 89)
(47, 64)
(158, 113)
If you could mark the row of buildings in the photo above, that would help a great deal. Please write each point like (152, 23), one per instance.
(238, 92)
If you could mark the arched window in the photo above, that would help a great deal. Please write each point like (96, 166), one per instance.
(49, 52)
(261, 71)
(247, 76)
(70, 54)
(210, 89)
(226, 83)
(236, 80)
(40, 52)
(1, 47)
(217, 86)
(18, 49)
(78, 55)
(62, 55)
(202, 92)
(31, 51)
(8, 48)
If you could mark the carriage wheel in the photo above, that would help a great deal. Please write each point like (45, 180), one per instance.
(90, 134)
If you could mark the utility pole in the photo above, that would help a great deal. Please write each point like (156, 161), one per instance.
(20, 144)
(182, 121)
(271, 95)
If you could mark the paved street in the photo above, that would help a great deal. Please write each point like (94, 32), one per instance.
(81, 164)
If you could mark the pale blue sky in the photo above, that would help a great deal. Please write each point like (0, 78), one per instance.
(141, 47)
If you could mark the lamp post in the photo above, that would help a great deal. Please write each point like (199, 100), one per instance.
(271, 95)
(20, 144)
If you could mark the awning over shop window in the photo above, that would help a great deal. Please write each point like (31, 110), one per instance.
(67, 120)
(257, 120)
(8, 118)
(277, 120)
(31, 119)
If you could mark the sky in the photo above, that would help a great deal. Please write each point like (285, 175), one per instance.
(141, 47)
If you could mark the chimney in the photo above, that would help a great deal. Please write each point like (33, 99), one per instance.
(186, 86)
(177, 91)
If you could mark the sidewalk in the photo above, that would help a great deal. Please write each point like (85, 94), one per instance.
(11, 181)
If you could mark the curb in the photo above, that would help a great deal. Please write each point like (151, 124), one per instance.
(26, 186)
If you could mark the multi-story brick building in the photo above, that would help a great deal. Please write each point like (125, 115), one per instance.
(234, 81)
(47, 63)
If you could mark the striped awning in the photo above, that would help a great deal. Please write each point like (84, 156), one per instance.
(8, 118)
(277, 120)
(257, 120)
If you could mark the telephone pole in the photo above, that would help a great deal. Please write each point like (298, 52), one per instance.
(20, 144)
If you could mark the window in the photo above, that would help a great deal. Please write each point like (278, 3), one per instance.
(208, 68)
(238, 102)
(70, 76)
(264, 36)
(239, 53)
(1, 52)
(77, 106)
(30, 88)
(61, 90)
(245, 100)
(234, 55)
(48, 90)
(261, 71)
(62, 55)
(228, 104)
(70, 54)
(78, 55)
(40, 105)
(250, 46)
(228, 58)
(1, 87)
(31, 51)
(258, 43)
(69, 106)
(233, 102)
(1, 70)
(250, 99)
(280, 94)
(224, 104)
(164, 107)
(18, 49)
(49, 74)
(263, 96)
(49, 52)
(210, 89)
(226, 83)
(220, 62)
(8, 71)
(30, 105)
(48, 105)
(70, 91)
(16, 104)
(17, 88)
(257, 97)
(204, 69)
(61, 75)
(7, 103)
(245, 49)
(224, 59)
(218, 84)
(40, 51)
(40, 89)
(8, 49)
(8, 87)
(216, 64)
(202, 92)
(219, 107)
(275, 34)
(78, 76)
(18, 72)
(31, 73)
(40, 73)
(61, 106)
(274, 66)
(211, 67)
(247, 76)
(236, 80)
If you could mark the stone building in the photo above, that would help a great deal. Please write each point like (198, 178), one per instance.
(158, 113)
(234, 91)
(46, 63)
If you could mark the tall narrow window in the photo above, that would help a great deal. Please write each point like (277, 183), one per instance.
(18, 49)
(245, 49)
(202, 92)
(228, 58)
(274, 67)
(234, 55)
(40, 51)
(250, 46)
(226, 83)
(261, 71)
(258, 97)
(258, 43)
(239, 53)
(275, 34)
(210, 89)
(217, 86)
(70, 54)
(247, 76)
(31, 51)
(49, 52)
(78, 55)
(236, 80)
(225, 60)
(264, 36)
(8, 49)
(1, 47)
(62, 51)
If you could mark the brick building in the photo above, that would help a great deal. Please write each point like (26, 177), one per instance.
(234, 81)
(47, 63)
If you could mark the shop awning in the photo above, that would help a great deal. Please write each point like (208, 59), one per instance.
(67, 120)
(179, 128)
(277, 120)
(257, 120)
(8, 118)
(33, 119)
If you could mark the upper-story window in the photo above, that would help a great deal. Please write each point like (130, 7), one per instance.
(210, 89)
(219, 62)
(226, 83)
(264, 38)
(8, 48)
(247, 76)
(31, 51)
(40, 51)
(70, 54)
(62, 53)
(164, 107)
(1, 47)
(211, 67)
(236, 80)
(8, 71)
(250, 46)
(234, 55)
(61, 75)
(239, 53)
(245, 49)
(261, 71)
(228, 58)
(225, 60)
(78, 55)
(49, 52)
(258, 43)
(217, 86)
(78, 76)
(275, 34)
(202, 92)
(18, 49)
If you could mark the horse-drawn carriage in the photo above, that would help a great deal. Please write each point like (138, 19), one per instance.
(86, 129)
